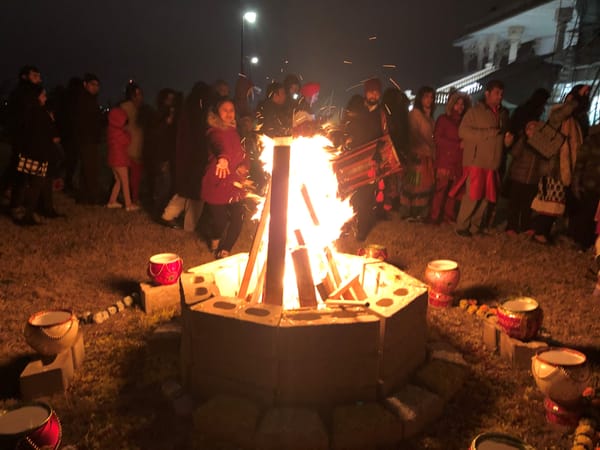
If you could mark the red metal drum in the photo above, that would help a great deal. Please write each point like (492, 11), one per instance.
(442, 277)
(520, 318)
(165, 268)
(30, 426)
(561, 415)
(561, 374)
(51, 332)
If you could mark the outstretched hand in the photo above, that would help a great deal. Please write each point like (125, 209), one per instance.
(222, 168)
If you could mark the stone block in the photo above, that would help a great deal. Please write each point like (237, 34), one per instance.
(291, 429)
(364, 426)
(226, 418)
(202, 386)
(157, 298)
(227, 273)
(518, 353)
(198, 287)
(445, 352)
(403, 343)
(491, 333)
(317, 334)
(441, 377)
(42, 378)
(416, 407)
(78, 351)
(166, 339)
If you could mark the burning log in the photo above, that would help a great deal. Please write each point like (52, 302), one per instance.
(278, 226)
(256, 244)
(260, 283)
(350, 288)
(304, 279)
(325, 287)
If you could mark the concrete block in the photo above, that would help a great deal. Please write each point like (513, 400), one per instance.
(519, 353)
(441, 377)
(229, 419)
(156, 298)
(166, 339)
(364, 426)
(444, 351)
(78, 351)
(198, 287)
(291, 429)
(203, 386)
(403, 343)
(328, 333)
(42, 378)
(416, 407)
(227, 273)
(491, 333)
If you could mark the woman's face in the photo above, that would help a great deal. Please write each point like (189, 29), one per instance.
(227, 112)
(459, 106)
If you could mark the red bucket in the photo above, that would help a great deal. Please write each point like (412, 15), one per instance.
(30, 426)
(165, 268)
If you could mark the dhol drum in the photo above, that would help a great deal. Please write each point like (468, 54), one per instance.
(165, 268)
(498, 441)
(30, 426)
(561, 374)
(51, 332)
(374, 251)
(442, 277)
(365, 164)
(561, 415)
(520, 318)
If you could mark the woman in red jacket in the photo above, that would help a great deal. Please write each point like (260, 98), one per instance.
(118, 139)
(448, 157)
(222, 184)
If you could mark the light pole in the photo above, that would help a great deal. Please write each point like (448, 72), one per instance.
(249, 17)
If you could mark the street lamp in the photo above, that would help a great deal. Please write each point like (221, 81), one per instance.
(254, 60)
(250, 17)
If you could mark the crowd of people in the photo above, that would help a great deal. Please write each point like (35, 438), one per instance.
(196, 156)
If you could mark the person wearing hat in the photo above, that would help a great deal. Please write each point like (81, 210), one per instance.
(367, 123)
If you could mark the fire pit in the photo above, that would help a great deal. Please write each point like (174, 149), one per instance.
(341, 328)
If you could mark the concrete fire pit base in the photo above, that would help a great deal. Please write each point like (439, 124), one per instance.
(334, 367)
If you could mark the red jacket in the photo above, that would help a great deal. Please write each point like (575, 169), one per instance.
(448, 154)
(118, 138)
(224, 142)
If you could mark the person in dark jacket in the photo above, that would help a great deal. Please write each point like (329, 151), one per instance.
(524, 175)
(37, 149)
(191, 156)
(531, 110)
(272, 118)
(87, 128)
(20, 103)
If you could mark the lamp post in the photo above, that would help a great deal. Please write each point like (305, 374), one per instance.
(249, 17)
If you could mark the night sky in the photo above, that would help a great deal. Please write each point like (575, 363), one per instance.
(163, 43)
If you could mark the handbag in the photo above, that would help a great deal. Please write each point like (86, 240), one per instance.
(551, 198)
(546, 140)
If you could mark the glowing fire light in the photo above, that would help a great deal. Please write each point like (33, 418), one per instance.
(310, 167)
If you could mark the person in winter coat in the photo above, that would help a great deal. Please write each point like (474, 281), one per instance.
(191, 156)
(484, 131)
(523, 183)
(448, 157)
(118, 139)
(223, 181)
(557, 172)
(418, 179)
(37, 148)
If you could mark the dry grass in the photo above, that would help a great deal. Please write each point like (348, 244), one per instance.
(96, 256)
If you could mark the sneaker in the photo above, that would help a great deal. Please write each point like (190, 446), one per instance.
(463, 233)
(132, 207)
